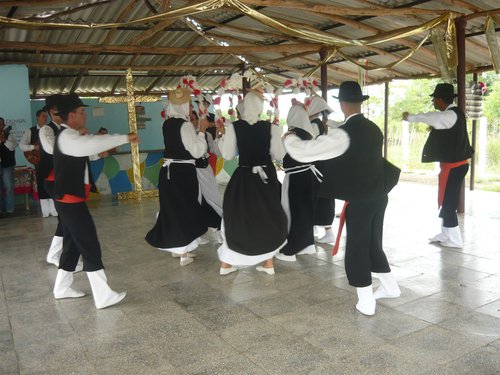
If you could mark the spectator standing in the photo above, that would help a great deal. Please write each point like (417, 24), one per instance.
(8, 146)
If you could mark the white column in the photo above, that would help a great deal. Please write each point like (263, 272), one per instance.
(405, 145)
(482, 148)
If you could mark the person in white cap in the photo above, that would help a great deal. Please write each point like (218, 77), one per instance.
(299, 191)
(254, 223)
(325, 207)
(180, 222)
(357, 173)
(71, 191)
(448, 143)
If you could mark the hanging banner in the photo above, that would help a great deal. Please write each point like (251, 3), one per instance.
(492, 43)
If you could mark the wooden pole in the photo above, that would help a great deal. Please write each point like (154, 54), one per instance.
(473, 141)
(324, 75)
(324, 84)
(386, 116)
(245, 84)
(460, 29)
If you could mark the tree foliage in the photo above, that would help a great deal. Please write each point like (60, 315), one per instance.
(491, 103)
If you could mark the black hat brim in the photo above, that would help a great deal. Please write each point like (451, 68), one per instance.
(357, 99)
(434, 95)
(71, 109)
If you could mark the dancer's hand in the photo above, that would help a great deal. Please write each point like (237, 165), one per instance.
(133, 138)
(204, 124)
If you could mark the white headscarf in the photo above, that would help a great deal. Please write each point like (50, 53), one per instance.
(316, 105)
(298, 118)
(178, 110)
(240, 107)
(253, 107)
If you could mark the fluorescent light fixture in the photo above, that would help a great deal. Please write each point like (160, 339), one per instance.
(116, 72)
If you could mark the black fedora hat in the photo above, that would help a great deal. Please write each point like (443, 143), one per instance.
(52, 101)
(444, 91)
(350, 91)
(69, 103)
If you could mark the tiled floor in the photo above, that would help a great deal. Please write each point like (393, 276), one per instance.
(190, 320)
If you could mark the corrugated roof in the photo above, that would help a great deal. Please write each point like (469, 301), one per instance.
(53, 71)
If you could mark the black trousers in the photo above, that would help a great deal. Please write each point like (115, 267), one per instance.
(324, 211)
(59, 230)
(448, 210)
(49, 188)
(364, 251)
(79, 237)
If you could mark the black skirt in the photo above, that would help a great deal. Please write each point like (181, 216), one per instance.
(254, 221)
(301, 193)
(324, 211)
(181, 219)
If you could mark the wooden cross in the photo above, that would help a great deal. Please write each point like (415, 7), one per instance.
(131, 99)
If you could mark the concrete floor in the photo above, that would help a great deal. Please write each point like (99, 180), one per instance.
(190, 320)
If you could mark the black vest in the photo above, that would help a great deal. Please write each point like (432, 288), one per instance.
(34, 135)
(203, 161)
(46, 160)
(288, 161)
(174, 148)
(448, 145)
(358, 174)
(254, 142)
(69, 172)
(8, 157)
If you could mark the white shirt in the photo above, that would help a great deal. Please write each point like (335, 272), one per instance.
(327, 146)
(315, 127)
(229, 147)
(194, 143)
(438, 120)
(25, 145)
(47, 138)
(10, 142)
(72, 143)
(213, 144)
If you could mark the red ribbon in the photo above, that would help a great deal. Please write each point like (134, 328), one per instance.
(339, 231)
(443, 178)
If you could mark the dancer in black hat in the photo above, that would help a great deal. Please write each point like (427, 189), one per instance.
(448, 143)
(355, 172)
(71, 191)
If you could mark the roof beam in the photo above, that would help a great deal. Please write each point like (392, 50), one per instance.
(375, 30)
(166, 5)
(345, 11)
(178, 51)
(172, 68)
(69, 11)
(236, 29)
(31, 3)
(11, 12)
(123, 14)
(150, 7)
